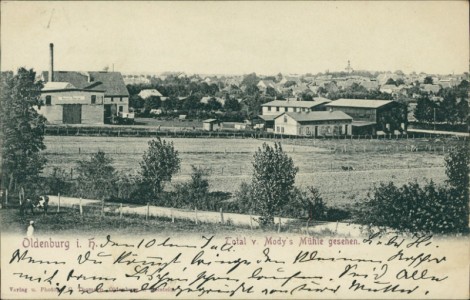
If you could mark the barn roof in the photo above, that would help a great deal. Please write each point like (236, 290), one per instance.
(301, 104)
(317, 116)
(57, 86)
(364, 103)
(111, 82)
(209, 121)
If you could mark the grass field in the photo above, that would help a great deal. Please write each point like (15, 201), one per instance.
(319, 161)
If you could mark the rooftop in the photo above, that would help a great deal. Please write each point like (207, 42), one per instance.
(302, 104)
(111, 82)
(57, 86)
(365, 103)
(317, 116)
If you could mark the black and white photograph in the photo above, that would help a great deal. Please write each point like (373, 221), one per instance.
(234, 150)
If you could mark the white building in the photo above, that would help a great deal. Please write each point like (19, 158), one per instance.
(316, 123)
(277, 107)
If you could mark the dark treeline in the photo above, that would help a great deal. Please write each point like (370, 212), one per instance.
(449, 106)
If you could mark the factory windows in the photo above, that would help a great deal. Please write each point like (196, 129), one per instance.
(48, 100)
(93, 99)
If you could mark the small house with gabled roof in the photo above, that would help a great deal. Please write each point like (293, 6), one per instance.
(315, 123)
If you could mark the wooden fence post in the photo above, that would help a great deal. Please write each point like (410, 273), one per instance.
(120, 211)
(81, 207)
(306, 226)
(336, 229)
(172, 217)
(148, 211)
(221, 216)
(251, 221)
(195, 211)
(6, 197)
(58, 204)
(279, 226)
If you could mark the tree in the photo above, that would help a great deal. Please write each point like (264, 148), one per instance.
(448, 107)
(96, 177)
(170, 104)
(213, 104)
(424, 110)
(270, 91)
(462, 110)
(399, 82)
(251, 90)
(232, 104)
(289, 83)
(250, 79)
(307, 204)
(136, 102)
(22, 128)
(191, 103)
(428, 80)
(391, 81)
(159, 163)
(198, 187)
(152, 102)
(306, 96)
(57, 182)
(272, 182)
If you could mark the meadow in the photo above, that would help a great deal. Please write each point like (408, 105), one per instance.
(320, 162)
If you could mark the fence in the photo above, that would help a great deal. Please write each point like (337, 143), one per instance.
(178, 132)
(147, 211)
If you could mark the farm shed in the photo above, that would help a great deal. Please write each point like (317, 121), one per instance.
(210, 124)
(267, 121)
(235, 125)
(370, 116)
(317, 123)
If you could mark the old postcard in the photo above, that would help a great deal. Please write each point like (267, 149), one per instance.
(244, 150)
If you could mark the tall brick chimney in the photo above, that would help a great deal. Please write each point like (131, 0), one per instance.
(51, 67)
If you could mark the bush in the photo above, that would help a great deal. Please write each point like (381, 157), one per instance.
(411, 208)
(309, 204)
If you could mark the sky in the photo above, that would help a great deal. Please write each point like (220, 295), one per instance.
(237, 37)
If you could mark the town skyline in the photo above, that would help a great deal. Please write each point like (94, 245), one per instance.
(229, 39)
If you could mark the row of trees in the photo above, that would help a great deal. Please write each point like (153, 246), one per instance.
(452, 109)
(189, 104)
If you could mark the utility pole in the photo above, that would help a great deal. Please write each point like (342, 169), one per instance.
(434, 119)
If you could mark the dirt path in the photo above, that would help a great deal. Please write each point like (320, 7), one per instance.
(337, 228)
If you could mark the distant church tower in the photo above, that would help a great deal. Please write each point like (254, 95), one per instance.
(349, 69)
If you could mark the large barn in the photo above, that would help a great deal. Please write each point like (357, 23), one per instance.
(71, 97)
(372, 116)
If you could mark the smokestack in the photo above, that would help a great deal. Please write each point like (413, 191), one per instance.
(51, 68)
